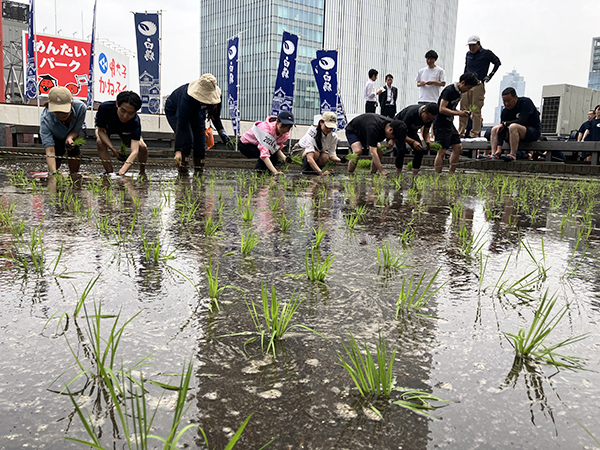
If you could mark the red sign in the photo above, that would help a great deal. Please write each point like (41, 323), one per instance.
(62, 62)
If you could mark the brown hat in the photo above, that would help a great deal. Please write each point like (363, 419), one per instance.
(205, 90)
(59, 99)
(330, 119)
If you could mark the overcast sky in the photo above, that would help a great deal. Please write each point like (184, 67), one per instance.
(546, 41)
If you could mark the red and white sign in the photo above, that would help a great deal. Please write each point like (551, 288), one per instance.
(66, 62)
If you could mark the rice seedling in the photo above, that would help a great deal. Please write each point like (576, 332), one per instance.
(542, 270)
(418, 401)
(435, 146)
(316, 270)
(6, 213)
(275, 204)
(157, 210)
(32, 259)
(210, 228)
(284, 223)
(408, 235)
(389, 259)
(531, 344)
(355, 216)
(522, 288)
(370, 379)
(457, 210)
(470, 243)
(188, 211)
(276, 316)
(154, 251)
(411, 299)
(319, 235)
(248, 242)
(137, 202)
(248, 214)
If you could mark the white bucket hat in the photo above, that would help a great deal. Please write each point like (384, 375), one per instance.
(205, 90)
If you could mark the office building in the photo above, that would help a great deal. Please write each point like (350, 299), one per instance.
(391, 37)
(594, 78)
(514, 80)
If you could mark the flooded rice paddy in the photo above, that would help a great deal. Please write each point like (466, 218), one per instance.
(79, 256)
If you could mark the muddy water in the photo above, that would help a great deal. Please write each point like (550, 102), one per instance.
(303, 398)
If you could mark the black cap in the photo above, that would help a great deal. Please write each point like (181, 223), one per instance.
(286, 117)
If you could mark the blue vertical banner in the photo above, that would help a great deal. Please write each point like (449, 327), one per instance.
(283, 97)
(325, 72)
(147, 33)
(232, 83)
(31, 84)
(90, 92)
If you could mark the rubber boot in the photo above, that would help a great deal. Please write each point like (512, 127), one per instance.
(198, 166)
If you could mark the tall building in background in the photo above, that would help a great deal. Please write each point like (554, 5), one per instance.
(391, 37)
(594, 78)
(514, 80)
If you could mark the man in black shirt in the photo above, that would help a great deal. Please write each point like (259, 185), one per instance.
(520, 121)
(443, 125)
(368, 130)
(121, 118)
(415, 117)
(592, 133)
(585, 125)
(478, 61)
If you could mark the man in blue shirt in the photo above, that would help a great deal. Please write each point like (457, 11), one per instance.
(478, 61)
(520, 121)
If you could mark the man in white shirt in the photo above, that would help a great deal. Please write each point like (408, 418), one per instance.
(430, 79)
(371, 93)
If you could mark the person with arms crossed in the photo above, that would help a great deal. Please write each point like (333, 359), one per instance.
(477, 61)
(443, 125)
(388, 97)
(61, 123)
(121, 117)
(520, 121)
(415, 117)
(368, 130)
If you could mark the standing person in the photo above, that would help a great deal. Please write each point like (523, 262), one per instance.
(477, 61)
(430, 80)
(121, 117)
(368, 130)
(187, 109)
(443, 125)
(319, 145)
(585, 125)
(520, 121)
(371, 92)
(416, 117)
(388, 97)
(265, 141)
(61, 123)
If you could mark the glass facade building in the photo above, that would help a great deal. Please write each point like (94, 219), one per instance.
(391, 37)
(514, 80)
(594, 78)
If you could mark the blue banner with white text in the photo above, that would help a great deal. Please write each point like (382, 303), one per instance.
(325, 72)
(90, 92)
(31, 84)
(283, 97)
(147, 34)
(232, 83)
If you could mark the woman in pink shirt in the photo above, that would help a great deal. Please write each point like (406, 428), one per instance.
(265, 141)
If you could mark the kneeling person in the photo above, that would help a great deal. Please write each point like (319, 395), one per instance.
(60, 124)
(520, 121)
(318, 144)
(415, 117)
(368, 130)
(121, 117)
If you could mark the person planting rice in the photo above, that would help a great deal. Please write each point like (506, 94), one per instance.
(61, 123)
(121, 117)
(187, 109)
(415, 117)
(319, 145)
(265, 141)
(368, 130)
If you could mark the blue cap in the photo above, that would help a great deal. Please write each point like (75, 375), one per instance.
(286, 117)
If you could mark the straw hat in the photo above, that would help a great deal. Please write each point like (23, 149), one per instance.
(205, 90)
(59, 99)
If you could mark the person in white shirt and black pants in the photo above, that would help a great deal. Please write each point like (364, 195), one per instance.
(388, 98)
(371, 93)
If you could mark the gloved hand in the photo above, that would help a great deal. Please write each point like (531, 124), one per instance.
(224, 137)
(486, 78)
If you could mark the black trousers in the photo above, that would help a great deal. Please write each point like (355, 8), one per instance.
(251, 151)
(370, 107)
(388, 111)
(403, 149)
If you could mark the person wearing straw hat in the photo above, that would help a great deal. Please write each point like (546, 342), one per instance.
(121, 117)
(61, 123)
(318, 145)
(187, 109)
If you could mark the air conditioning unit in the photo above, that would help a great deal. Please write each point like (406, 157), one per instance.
(565, 108)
